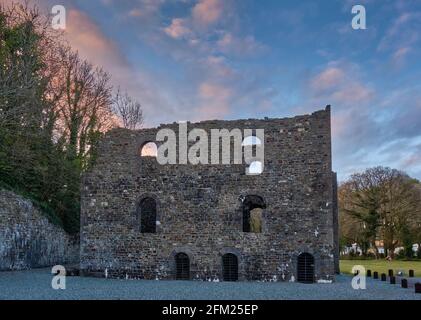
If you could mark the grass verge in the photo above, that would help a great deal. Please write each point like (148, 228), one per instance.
(382, 266)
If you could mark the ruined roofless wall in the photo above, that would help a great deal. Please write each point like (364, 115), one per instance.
(199, 208)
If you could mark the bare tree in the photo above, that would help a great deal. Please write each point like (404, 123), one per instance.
(129, 110)
(387, 204)
(54, 106)
(401, 210)
(19, 62)
(28, 67)
(85, 108)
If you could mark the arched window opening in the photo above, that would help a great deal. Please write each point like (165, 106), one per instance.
(256, 220)
(149, 150)
(253, 213)
(182, 266)
(148, 215)
(305, 268)
(229, 267)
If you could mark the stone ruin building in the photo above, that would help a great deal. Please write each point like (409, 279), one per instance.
(144, 220)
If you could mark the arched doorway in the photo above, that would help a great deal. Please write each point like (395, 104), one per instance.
(305, 268)
(229, 267)
(182, 266)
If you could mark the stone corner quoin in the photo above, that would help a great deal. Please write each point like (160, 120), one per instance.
(140, 219)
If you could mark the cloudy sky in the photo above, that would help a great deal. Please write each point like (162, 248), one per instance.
(228, 59)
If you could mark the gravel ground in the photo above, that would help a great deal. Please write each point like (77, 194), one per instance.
(36, 284)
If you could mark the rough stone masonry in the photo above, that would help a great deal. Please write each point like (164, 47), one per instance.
(27, 238)
(201, 214)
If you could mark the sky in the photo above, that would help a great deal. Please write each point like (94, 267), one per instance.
(235, 59)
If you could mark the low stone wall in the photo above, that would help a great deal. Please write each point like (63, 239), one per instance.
(28, 239)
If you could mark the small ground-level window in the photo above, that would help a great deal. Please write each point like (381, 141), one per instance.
(149, 150)
(229, 267)
(182, 266)
(253, 213)
(148, 215)
(305, 268)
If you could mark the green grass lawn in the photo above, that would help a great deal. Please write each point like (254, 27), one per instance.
(382, 266)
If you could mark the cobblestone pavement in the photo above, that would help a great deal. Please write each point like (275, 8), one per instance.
(36, 284)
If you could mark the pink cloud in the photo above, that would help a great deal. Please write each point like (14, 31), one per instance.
(215, 100)
(218, 66)
(207, 12)
(339, 123)
(203, 14)
(143, 8)
(352, 93)
(214, 91)
(177, 29)
(88, 39)
(404, 31)
(92, 44)
(136, 13)
(400, 54)
(328, 78)
(412, 161)
(230, 44)
(194, 29)
(338, 83)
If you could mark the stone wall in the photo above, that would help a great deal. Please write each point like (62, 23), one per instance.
(199, 208)
(28, 239)
(335, 206)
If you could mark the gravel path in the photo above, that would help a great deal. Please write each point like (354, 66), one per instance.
(36, 284)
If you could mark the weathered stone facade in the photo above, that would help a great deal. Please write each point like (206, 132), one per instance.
(199, 209)
(28, 240)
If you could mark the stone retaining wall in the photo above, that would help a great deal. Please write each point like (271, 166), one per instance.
(28, 240)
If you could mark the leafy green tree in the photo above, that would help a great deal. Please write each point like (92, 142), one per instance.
(54, 107)
(32, 157)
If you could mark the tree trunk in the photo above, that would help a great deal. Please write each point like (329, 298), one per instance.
(376, 250)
